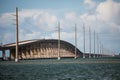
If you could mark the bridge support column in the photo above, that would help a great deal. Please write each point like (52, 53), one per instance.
(75, 57)
(83, 55)
(3, 54)
(58, 58)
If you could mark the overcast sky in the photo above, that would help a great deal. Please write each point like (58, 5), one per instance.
(38, 19)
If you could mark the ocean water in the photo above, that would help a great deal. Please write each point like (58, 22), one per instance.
(67, 69)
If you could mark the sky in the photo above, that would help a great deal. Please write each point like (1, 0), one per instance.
(38, 19)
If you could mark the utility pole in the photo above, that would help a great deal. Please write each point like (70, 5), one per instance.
(90, 42)
(58, 40)
(16, 55)
(94, 44)
(100, 48)
(97, 46)
(84, 40)
(75, 42)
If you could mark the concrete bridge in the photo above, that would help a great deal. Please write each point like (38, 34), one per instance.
(43, 48)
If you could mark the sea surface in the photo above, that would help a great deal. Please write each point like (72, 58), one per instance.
(64, 69)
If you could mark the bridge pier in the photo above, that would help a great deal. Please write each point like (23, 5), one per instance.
(3, 55)
(59, 58)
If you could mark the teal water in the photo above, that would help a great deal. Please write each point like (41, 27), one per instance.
(67, 69)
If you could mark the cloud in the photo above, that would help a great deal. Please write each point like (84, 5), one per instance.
(37, 24)
(105, 21)
(105, 17)
(32, 24)
(90, 4)
(109, 11)
(70, 16)
(40, 18)
(64, 35)
(7, 19)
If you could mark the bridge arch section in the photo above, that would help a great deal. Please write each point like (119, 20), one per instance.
(42, 48)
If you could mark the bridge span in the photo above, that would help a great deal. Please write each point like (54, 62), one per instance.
(44, 48)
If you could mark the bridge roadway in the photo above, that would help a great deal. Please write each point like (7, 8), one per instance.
(45, 48)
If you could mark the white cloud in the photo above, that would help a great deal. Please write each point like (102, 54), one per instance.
(67, 35)
(70, 16)
(63, 35)
(7, 19)
(109, 11)
(43, 20)
(34, 24)
(105, 18)
(90, 4)
(7, 38)
(38, 22)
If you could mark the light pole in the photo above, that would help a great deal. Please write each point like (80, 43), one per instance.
(90, 42)
(84, 40)
(58, 40)
(16, 55)
(75, 41)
